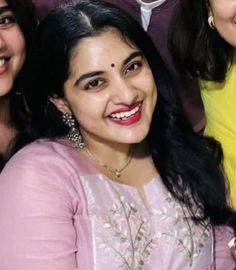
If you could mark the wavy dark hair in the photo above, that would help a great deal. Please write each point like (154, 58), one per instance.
(24, 12)
(188, 163)
(197, 49)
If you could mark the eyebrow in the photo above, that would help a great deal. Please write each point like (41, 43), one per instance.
(4, 9)
(88, 75)
(131, 56)
(99, 72)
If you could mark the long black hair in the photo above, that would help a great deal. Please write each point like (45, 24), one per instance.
(24, 12)
(198, 49)
(188, 163)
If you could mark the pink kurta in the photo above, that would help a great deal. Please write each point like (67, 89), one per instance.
(57, 212)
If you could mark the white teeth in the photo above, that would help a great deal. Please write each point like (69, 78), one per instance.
(125, 115)
(2, 61)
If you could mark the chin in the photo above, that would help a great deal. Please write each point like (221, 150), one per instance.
(4, 92)
(137, 138)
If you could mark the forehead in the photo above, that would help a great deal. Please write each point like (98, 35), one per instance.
(109, 46)
(105, 39)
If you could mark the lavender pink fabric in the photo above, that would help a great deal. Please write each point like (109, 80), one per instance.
(57, 212)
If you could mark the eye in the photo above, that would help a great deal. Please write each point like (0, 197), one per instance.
(133, 67)
(94, 84)
(7, 20)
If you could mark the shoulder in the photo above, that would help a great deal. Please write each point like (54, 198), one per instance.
(130, 6)
(49, 158)
(232, 69)
(229, 81)
(41, 151)
(53, 157)
(46, 151)
(47, 169)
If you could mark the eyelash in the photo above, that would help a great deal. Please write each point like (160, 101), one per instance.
(7, 20)
(138, 65)
(99, 81)
(88, 86)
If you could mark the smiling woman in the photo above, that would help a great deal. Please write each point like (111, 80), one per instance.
(16, 29)
(12, 47)
(206, 50)
(112, 105)
(117, 177)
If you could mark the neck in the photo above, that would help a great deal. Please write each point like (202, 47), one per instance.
(117, 169)
(4, 110)
(113, 156)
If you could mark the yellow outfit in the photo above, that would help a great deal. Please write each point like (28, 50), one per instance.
(220, 106)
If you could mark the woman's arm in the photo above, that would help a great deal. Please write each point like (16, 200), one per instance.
(36, 215)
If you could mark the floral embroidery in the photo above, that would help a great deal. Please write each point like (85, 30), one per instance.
(190, 239)
(130, 239)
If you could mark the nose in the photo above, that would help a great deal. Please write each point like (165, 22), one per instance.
(124, 91)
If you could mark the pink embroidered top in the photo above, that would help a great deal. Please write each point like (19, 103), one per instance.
(57, 212)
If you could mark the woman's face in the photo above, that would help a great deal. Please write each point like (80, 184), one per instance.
(110, 90)
(224, 13)
(12, 49)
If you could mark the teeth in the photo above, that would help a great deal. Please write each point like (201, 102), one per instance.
(2, 61)
(125, 115)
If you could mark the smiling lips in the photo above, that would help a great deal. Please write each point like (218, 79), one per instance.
(3, 66)
(127, 117)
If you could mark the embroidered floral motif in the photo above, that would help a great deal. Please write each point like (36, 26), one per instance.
(190, 239)
(130, 239)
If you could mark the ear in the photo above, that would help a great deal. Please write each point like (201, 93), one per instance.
(61, 104)
(209, 9)
(209, 12)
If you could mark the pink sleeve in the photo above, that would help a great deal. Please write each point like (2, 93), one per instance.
(224, 257)
(36, 215)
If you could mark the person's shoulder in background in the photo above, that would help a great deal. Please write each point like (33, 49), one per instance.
(43, 7)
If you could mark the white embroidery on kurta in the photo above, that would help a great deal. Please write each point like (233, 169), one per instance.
(128, 237)
(189, 237)
(130, 240)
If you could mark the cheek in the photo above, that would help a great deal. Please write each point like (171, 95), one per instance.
(155, 96)
(86, 111)
(88, 120)
(154, 100)
(223, 13)
(151, 88)
(18, 46)
(18, 41)
(21, 61)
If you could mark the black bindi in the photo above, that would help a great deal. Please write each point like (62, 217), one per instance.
(112, 65)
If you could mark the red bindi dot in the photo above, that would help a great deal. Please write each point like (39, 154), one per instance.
(112, 65)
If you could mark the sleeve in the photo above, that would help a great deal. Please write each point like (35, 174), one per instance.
(36, 216)
(223, 255)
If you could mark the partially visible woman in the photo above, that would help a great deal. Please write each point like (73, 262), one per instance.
(118, 179)
(43, 7)
(17, 24)
(204, 42)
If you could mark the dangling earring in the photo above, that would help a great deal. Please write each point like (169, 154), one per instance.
(211, 22)
(74, 135)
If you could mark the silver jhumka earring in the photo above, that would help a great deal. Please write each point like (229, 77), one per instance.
(73, 135)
